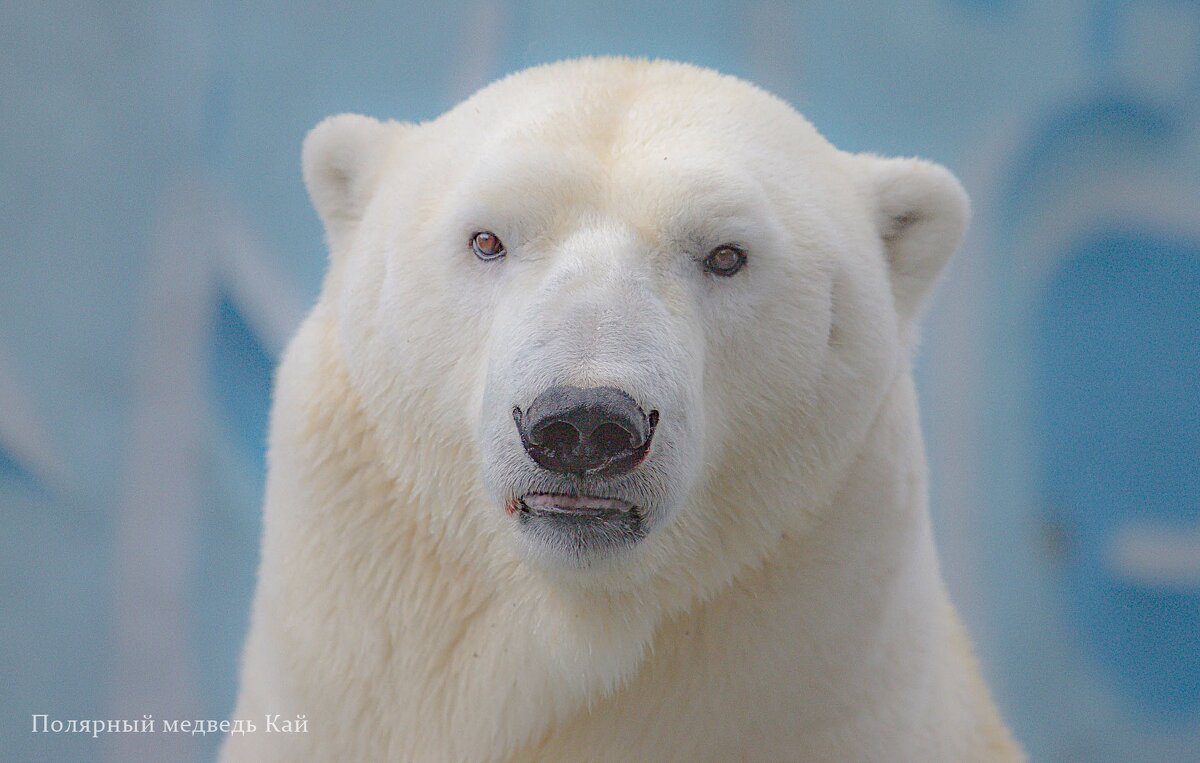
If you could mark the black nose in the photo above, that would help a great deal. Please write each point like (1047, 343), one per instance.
(597, 431)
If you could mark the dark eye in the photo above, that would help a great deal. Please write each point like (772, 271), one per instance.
(487, 245)
(725, 260)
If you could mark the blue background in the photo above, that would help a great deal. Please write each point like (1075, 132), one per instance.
(158, 248)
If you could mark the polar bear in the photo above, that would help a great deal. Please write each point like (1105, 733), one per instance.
(601, 442)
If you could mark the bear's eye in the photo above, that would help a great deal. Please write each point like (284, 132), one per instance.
(725, 260)
(487, 245)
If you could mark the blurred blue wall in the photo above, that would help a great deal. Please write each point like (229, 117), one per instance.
(159, 249)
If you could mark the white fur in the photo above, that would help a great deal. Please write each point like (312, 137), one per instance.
(786, 603)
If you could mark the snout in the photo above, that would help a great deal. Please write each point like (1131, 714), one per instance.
(590, 432)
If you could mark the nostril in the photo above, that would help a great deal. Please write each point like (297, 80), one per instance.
(612, 438)
(557, 436)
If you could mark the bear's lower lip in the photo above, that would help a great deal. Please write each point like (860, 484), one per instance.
(581, 528)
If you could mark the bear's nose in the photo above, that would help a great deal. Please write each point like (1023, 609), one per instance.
(592, 431)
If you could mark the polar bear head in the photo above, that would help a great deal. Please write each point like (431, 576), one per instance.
(611, 318)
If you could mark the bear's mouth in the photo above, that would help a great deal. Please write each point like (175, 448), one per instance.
(583, 506)
(583, 525)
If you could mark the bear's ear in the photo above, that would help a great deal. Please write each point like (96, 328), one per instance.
(921, 213)
(342, 157)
